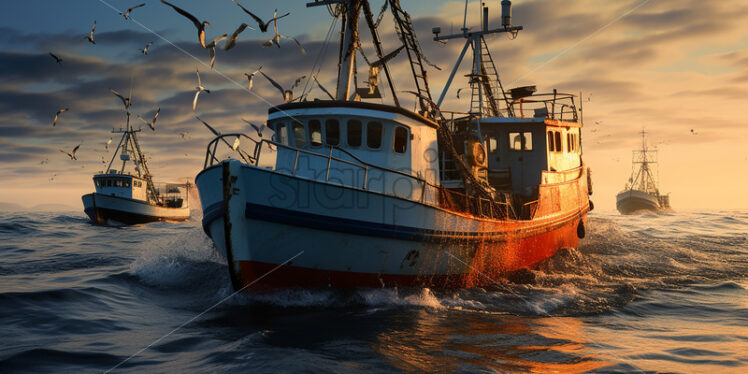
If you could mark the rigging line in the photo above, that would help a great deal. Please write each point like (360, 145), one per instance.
(207, 310)
(319, 57)
(240, 85)
(568, 49)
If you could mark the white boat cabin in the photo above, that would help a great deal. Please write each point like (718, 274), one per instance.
(530, 152)
(121, 185)
(375, 139)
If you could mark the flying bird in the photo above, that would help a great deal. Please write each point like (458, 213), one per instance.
(125, 101)
(287, 94)
(212, 48)
(263, 25)
(57, 59)
(184, 134)
(90, 37)
(72, 155)
(106, 145)
(251, 77)
(694, 132)
(145, 50)
(236, 144)
(52, 179)
(231, 43)
(199, 25)
(321, 87)
(276, 39)
(257, 129)
(214, 131)
(458, 91)
(127, 14)
(151, 124)
(199, 89)
(57, 115)
(44, 162)
(387, 57)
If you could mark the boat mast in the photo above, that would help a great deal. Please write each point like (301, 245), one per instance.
(484, 91)
(644, 179)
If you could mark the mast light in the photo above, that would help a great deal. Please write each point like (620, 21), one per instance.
(506, 13)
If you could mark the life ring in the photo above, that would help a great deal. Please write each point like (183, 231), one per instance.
(479, 153)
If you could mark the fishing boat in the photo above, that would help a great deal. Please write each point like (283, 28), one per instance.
(352, 192)
(641, 193)
(127, 194)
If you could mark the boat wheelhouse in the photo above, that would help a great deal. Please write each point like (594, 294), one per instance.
(351, 193)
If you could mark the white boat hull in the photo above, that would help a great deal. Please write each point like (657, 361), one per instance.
(104, 209)
(345, 237)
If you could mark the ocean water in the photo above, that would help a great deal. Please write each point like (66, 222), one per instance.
(648, 293)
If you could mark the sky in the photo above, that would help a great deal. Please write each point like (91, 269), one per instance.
(677, 68)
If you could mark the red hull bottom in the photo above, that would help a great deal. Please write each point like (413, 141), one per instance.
(491, 263)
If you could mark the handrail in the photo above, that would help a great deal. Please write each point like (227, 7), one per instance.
(472, 204)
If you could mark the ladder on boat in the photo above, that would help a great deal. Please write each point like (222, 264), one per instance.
(489, 83)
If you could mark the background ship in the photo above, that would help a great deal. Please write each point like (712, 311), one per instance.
(129, 195)
(641, 192)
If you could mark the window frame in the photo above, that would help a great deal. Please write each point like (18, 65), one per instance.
(317, 123)
(294, 126)
(348, 132)
(381, 135)
(327, 135)
(551, 142)
(406, 140)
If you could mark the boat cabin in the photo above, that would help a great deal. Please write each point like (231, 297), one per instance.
(121, 185)
(524, 153)
(384, 147)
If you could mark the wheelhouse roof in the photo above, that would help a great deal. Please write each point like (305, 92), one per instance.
(353, 105)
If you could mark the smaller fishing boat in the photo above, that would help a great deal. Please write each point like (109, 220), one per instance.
(128, 195)
(641, 192)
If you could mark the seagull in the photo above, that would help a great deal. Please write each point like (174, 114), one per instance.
(251, 76)
(276, 39)
(458, 91)
(287, 94)
(125, 101)
(212, 48)
(52, 179)
(387, 57)
(106, 145)
(145, 50)
(257, 129)
(90, 37)
(200, 26)
(57, 59)
(57, 115)
(321, 87)
(263, 25)
(694, 132)
(44, 162)
(127, 14)
(236, 144)
(184, 134)
(72, 155)
(199, 89)
(151, 124)
(232, 40)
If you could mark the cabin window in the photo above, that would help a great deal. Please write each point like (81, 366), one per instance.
(332, 132)
(493, 144)
(281, 135)
(118, 183)
(354, 133)
(559, 146)
(527, 141)
(109, 183)
(299, 135)
(127, 183)
(401, 139)
(315, 133)
(551, 143)
(520, 141)
(515, 141)
(569, 145)
(374, 135)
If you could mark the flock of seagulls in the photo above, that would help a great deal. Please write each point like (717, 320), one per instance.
(230, 42)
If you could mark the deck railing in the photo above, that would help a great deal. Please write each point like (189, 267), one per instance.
(428, 193)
